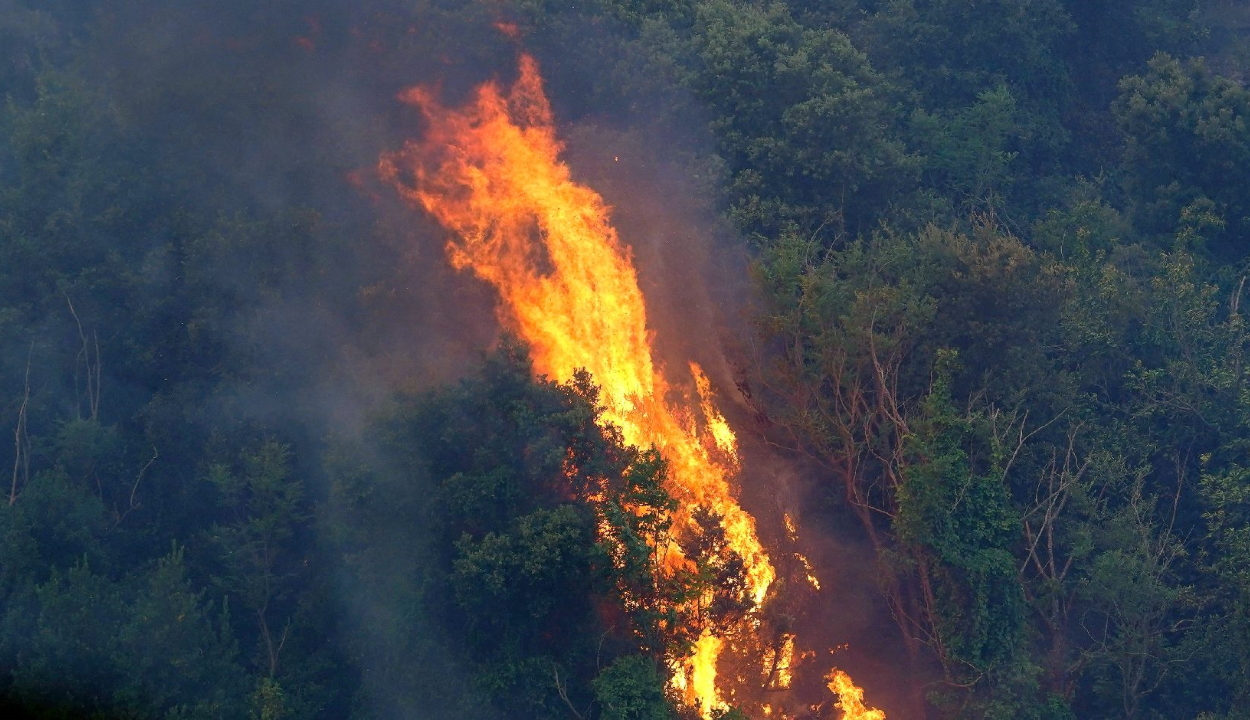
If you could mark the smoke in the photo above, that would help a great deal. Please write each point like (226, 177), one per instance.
(693, 268)
(259, 123)
(661, 178)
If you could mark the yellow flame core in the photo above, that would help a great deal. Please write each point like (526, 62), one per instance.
(851, 698)
(491, 174)
(785, 663)
(703, 673)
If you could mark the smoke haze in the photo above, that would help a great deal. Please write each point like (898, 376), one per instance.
(266, 120)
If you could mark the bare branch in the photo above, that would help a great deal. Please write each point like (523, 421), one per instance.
(90, 361)
(563, 691)
(134, 488)
(21, 440)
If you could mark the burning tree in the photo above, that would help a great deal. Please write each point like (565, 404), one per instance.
(491, 174)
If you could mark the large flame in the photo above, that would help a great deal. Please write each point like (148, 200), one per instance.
(490, 173)
(852, 698)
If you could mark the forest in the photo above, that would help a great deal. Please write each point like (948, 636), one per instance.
(964, 277)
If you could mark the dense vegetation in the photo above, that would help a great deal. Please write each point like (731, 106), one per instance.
(998, 254)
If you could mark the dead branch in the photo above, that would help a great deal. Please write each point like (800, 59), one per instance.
(135, 487)
(89, 361)
(563, 691)
(21, 440)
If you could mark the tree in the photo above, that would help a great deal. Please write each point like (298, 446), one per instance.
(174, 656)
(1187, 149)
(536, 528)
(1132, 602)
(802, 117)
(954, 51)
(266, 509)
(969, 152)
(631, 689)
(956, 523)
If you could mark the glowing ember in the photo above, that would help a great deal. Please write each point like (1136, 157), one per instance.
(811, 572)
(852, 698)
(792, 532)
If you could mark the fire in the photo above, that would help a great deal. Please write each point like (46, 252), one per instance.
(852, 698)
(717, 426)
(811, 572)
(792, 532)
(703, 673)
(491, 174)
(783, 664)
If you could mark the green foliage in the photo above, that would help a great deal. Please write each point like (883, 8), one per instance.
(1226, 491)
(954, 50)
(1113, 37)
(66, 635)
(955, 513)
(268, 701)
(257, 545)
(56, 524)
(521, 583)
(177, 653)
(519, 562)
(1134, 603)
(1187, 148)
(1020, 481)
(143, 646)
(801, 115)
(967, 152)
(631, 689)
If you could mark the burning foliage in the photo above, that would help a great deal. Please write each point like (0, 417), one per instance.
(491, 173)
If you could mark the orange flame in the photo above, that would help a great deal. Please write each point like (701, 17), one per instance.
(491, 174)
(783, 663)
(852, 698)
